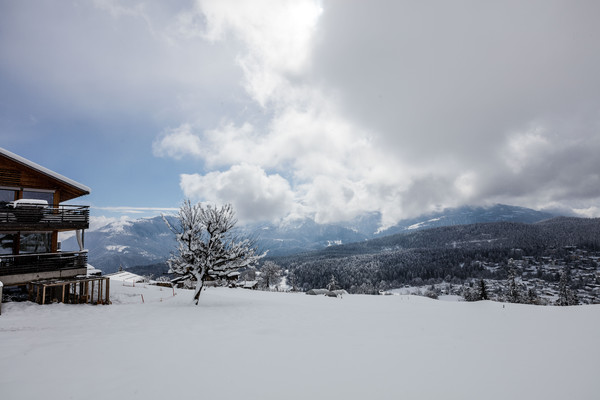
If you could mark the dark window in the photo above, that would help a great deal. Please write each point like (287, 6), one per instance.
(32, 194)
(35, 243)
(6, 243)
(7, 195)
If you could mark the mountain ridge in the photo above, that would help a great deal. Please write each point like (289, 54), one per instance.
(149, 241)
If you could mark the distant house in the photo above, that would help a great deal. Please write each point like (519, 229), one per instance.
(126, 277)
(32, 214)
(247, 284)
(327, 292)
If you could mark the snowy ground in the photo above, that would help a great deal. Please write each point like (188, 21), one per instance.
(241, 344)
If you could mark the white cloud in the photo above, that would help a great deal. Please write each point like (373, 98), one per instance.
(254, 194)
(589, 212)
(399, 107)
(178, 142)
(134, 210)
(402, 108)
(277, 34)
(522, 148)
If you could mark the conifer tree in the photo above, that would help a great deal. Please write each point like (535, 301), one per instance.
(514, 295)
(333, 284)
(566, 295)
(483, 294)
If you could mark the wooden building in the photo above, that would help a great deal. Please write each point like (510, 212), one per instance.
(32, 214)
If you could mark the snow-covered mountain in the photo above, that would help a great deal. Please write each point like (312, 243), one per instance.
(126, 244)
(149, 241)
(468, 215)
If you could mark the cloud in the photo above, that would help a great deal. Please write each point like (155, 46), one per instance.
(439, 77)
(401, 108)
(134, 210)
(254, 194)
(332, 108)
(277, 34)
(177, 143)
(109, 59)
(499, 93)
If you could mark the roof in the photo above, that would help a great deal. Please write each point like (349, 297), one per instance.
(44, 170)
(124, 276)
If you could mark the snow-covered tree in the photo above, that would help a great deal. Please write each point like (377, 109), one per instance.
(207, 248)
(514, 294)
(270, 274)
(477, 292)
(333, 284)
(532, 297)
(566, 295)
(292, 280)
(470, 293)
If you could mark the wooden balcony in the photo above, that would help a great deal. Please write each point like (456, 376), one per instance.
(36, 218)
(20, 269)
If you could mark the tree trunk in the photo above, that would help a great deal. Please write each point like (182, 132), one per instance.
(199, 285)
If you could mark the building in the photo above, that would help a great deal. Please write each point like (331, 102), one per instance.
(32, 213)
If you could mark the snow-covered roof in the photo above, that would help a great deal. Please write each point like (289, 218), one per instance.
(247, 284)
(28, 202)
(44, 170)
(125, 276)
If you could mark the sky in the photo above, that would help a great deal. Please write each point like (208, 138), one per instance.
(323, 109)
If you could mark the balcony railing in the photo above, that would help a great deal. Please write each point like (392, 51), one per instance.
(33, 263)
(62, 217)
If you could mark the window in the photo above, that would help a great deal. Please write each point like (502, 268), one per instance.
(35, 243)
(7, 241)
(7, 195)
(39, 195)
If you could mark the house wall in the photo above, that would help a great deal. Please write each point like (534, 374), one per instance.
(22, 175)
(19, 176)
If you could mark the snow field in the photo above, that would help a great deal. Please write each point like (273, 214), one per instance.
(241, 344)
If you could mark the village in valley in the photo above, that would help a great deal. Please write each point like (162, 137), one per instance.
(537, 279)
(542, 275)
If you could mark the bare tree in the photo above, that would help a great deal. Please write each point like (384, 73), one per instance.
(208, 249)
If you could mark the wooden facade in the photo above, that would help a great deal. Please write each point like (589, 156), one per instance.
(93, 290)
(31, 216)
(16, 173)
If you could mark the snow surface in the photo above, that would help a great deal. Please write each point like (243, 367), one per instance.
(241, 344)
(28, 202)
(117, 248)
(125, 276)
(421, 224)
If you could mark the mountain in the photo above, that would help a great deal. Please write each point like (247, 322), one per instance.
(149, 241)
(300, 236)
(468, 215)
(458, 254)
(554, 233)
(127, 244)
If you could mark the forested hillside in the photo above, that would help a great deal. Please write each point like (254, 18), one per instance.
(449, 254)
